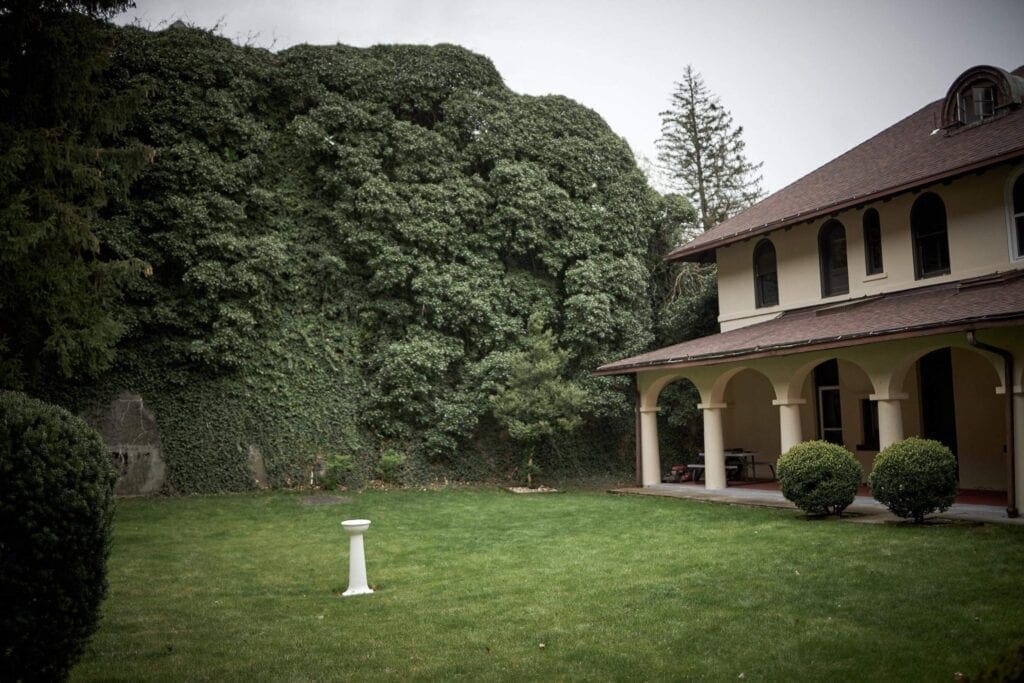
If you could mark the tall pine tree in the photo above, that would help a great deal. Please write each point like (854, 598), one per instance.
(702, 153)
(59, 286)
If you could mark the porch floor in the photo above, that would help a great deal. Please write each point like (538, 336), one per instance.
(970, 505)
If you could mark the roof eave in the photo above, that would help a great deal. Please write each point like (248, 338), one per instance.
(840, 341)
(699, 253)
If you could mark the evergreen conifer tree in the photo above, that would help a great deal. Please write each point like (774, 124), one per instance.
(701, 152)
(537, 400)
(58, 169)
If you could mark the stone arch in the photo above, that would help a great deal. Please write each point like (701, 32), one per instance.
(794, 386)
(897, 378)
(721, 383)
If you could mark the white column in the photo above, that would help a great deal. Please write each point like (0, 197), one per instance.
(890, 418)
(714, 446)
(650, 458)
(790, 427)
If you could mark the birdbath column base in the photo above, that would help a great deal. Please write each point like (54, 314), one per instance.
(357, 584)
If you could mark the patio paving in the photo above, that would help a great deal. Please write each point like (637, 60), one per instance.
(864, 509)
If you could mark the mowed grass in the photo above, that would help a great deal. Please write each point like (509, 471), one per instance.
(482, 584)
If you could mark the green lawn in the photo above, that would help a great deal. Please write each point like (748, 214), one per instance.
(471, 583)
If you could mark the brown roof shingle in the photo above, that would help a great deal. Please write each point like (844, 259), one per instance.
(902, 157)
(980, 302)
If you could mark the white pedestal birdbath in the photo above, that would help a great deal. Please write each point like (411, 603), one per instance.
(356, 557)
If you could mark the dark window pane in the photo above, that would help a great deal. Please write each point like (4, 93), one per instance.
(872, 243)
(1020, 235)
(1018, 195)
(766, 281)
(831, 411)
(832, 255)
(928, 230)
(827, 374)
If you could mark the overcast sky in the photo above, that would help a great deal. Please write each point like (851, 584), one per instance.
(807, 79)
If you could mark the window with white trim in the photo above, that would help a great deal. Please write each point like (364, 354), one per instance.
(1017, 218)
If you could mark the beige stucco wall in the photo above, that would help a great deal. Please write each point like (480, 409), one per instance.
(751, 422)
(979, 422)
(976, 208)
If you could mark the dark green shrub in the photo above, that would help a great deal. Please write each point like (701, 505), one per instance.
(821, 478)
(338, 470)
(914, 477)
(390, 467)
(56, 504)
(1009, 667)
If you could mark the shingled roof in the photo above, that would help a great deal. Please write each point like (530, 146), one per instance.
(910, 154)
(977, 303)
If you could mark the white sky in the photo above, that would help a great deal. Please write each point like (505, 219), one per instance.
(807, 79)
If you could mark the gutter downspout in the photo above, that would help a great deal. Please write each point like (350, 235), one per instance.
(636, 410)
(1011, 493)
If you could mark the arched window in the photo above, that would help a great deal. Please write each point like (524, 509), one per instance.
(832, 257)
(872, 243)
(1017, 218)
(766, 275)
(928, 231)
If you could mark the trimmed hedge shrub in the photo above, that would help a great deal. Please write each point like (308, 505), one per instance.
(56, 504)
(914, 477)
(821, 478)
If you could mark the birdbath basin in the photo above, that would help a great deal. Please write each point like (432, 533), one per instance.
(355, 526)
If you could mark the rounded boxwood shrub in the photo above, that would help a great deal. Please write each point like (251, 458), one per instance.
(56, 503)
(914, 477)
(821, 478)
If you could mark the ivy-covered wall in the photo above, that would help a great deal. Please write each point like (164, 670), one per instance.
(346, 243)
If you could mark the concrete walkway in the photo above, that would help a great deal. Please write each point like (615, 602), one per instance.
(863, 510)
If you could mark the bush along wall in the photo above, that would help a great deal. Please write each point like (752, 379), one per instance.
(914, 478)
(345, 246)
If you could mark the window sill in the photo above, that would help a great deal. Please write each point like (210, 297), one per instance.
(876, 276)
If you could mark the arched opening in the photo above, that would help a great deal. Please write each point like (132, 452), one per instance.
(766, 277)
(838, 408)
(680, 426)
(928, 232)
(750, 424)
(952, 398)
(832, 259)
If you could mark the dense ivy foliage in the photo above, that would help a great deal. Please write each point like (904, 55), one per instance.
(346, 246)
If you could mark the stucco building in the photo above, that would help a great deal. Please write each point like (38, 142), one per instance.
(878, 297)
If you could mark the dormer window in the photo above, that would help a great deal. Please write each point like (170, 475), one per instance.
(977, 102)
(979, 94)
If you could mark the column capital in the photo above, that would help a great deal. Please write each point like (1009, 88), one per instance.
(889, 396)
(789, 402)
(650, 409)
(712, 406)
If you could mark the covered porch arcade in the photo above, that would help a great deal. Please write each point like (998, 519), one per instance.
(759, 385)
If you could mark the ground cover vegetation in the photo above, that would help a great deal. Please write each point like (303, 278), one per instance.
(333, 252)
(470, 583)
